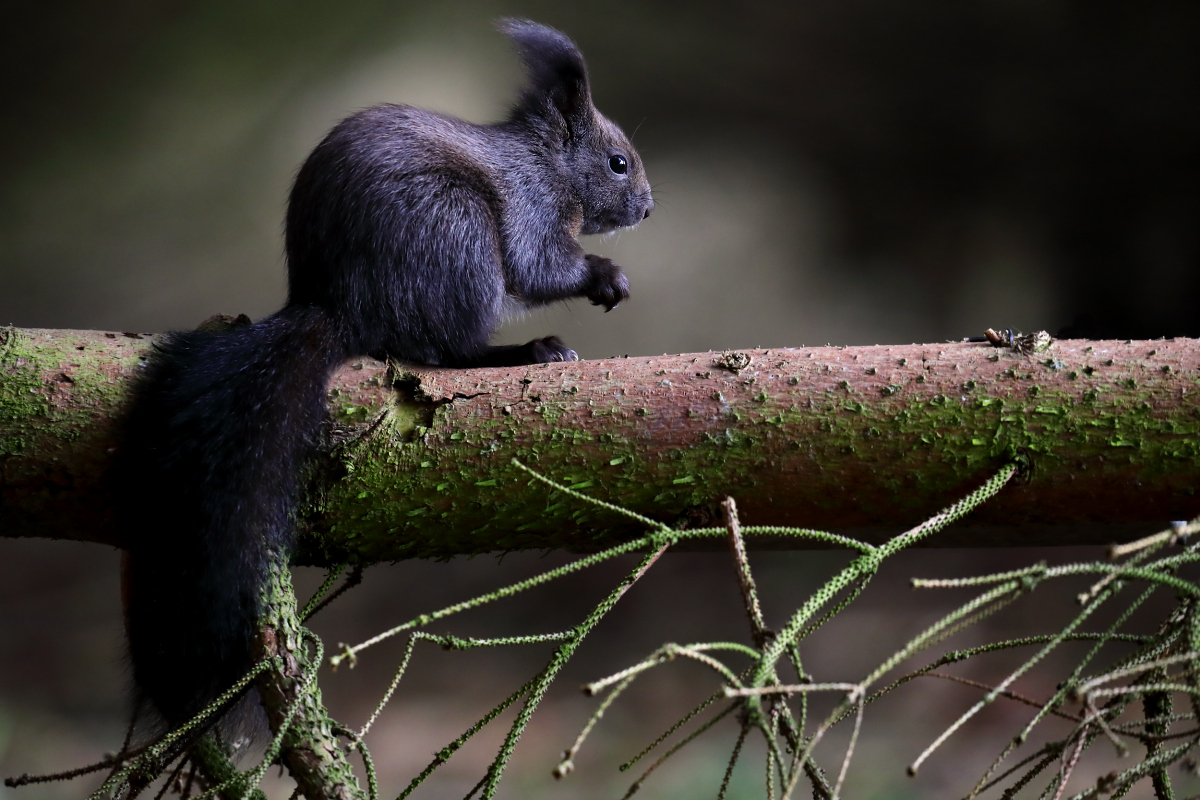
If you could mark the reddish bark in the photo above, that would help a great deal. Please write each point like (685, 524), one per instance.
(867, 438)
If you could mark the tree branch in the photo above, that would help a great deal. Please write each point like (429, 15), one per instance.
(856, 438)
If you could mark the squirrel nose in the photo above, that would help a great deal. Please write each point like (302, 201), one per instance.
(649, 208)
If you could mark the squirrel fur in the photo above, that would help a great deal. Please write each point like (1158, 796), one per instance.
(407, 234)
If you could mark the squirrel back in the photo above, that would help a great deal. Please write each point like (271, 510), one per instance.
(407, 234)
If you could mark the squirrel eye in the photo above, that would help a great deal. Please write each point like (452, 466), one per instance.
(618, 164)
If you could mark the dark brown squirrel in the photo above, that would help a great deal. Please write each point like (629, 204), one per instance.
(407, 234)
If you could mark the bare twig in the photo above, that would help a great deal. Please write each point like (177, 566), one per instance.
(745, 579)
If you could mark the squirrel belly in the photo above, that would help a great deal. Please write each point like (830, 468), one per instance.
(407, 234)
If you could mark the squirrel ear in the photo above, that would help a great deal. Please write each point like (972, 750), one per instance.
(557, 75)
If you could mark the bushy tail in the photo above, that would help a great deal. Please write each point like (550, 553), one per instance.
(220, 429)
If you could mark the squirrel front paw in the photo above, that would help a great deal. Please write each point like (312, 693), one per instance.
(608, 286)
(551, 349)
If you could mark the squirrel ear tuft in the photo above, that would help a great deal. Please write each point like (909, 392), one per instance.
(557, 75)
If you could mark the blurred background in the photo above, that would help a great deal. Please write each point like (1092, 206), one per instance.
(846, 172)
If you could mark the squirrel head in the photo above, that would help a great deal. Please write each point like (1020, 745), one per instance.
(593, 156)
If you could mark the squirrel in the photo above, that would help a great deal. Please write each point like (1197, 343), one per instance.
(407, 234)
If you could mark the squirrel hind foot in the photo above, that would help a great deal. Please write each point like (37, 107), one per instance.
(549, 350)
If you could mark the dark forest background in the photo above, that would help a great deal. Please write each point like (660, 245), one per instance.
(850, 171)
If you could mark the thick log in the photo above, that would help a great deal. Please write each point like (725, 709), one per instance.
(868, 439)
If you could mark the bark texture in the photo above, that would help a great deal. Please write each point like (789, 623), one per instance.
(869, 439)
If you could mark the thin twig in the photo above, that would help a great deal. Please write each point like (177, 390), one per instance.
(449, 750)
(1136, 669)
(187, 785)
(564, 652)
(755, 691)
(347, 652)
(1064, 774)
(116, 760)
(567, 764)
(1006, 693)
(679, 723)
(1168, 536)
(352, 580)
(358, 744)
(733, 759)
(1004, 684)
(837, 787)
(758, 627)
(691, 737)
(183, 762)
(1097, 716)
